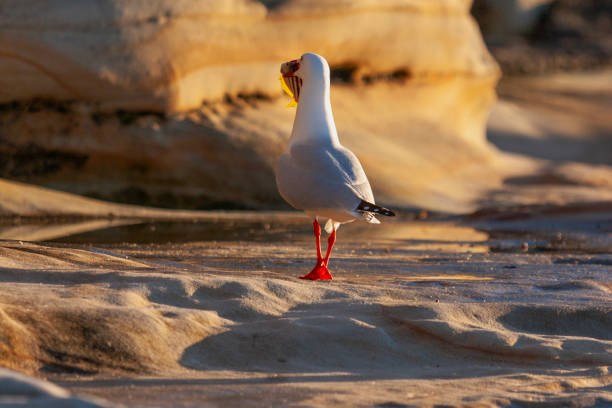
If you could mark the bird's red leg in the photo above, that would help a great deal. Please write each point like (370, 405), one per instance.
(317, 234)
(320, 272)
(330, 245)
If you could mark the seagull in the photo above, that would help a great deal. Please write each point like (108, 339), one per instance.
(316, 174)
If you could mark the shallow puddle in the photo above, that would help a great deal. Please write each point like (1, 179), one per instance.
(444, 236)
(421, 234)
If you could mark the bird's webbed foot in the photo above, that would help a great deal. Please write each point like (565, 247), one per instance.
(319, 272)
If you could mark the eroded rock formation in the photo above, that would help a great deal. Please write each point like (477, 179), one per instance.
(172, 55)
(177, 103)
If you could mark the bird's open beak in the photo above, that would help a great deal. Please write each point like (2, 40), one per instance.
(290, 83)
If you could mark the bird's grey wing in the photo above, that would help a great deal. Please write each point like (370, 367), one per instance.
(337, 164)
(298, 186)
(322, 178)
(358, 180)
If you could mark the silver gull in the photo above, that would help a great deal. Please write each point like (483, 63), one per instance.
(316, 173)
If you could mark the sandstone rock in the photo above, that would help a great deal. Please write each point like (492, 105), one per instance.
(172, 55)
(416, 142)
(177, 104)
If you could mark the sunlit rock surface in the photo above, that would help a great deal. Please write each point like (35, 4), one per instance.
(177, 104)
(497, 309)
(172, 55)
(553, 134)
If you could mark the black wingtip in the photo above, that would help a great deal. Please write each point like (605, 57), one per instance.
(373, 208)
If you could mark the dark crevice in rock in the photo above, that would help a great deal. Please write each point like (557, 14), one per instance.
(125, 117)
(31, 160)
(348, 74)
(272, 4)
(343, 74)
(399, 75)
(167, 199)
(36, 105)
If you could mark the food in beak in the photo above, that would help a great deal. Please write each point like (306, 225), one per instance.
(290, 83)
(289, 68)
(294, 84)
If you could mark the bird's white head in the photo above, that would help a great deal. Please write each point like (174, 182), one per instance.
(310, 68)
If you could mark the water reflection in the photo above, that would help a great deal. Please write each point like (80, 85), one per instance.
(51, 231)
(401, 234)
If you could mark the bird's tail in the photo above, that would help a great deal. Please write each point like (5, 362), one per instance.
(365, 207)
